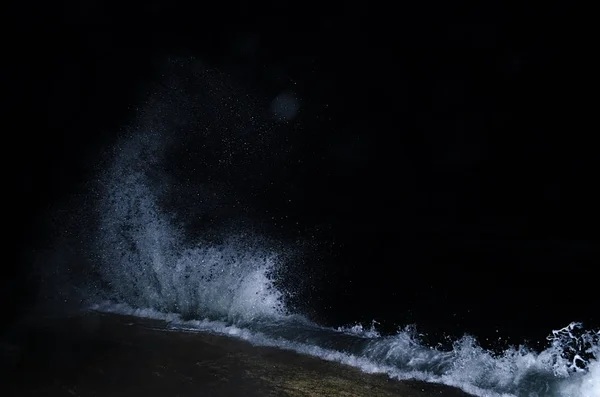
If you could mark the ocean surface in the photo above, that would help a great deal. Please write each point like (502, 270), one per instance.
(141, 260)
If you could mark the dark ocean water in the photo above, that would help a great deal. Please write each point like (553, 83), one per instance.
(193, 216)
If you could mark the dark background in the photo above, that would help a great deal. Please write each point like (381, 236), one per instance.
(441, 160)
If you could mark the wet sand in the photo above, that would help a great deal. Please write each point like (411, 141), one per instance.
(95, 354)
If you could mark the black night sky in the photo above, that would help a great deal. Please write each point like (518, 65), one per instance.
(439, 168)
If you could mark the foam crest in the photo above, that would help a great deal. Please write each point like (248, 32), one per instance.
(360, 330)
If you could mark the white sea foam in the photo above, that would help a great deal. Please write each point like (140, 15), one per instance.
(148, 268)
(518, 372)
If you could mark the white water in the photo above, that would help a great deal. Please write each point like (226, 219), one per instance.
(148, 268)
(229, 288)
(518, 372)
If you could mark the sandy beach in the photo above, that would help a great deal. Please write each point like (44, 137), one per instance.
(95, 354)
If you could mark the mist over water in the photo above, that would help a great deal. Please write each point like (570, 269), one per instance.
(147, 264)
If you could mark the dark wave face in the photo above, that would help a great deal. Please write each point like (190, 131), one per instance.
(145, 261)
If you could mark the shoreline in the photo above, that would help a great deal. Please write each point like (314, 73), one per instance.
(97, 354)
